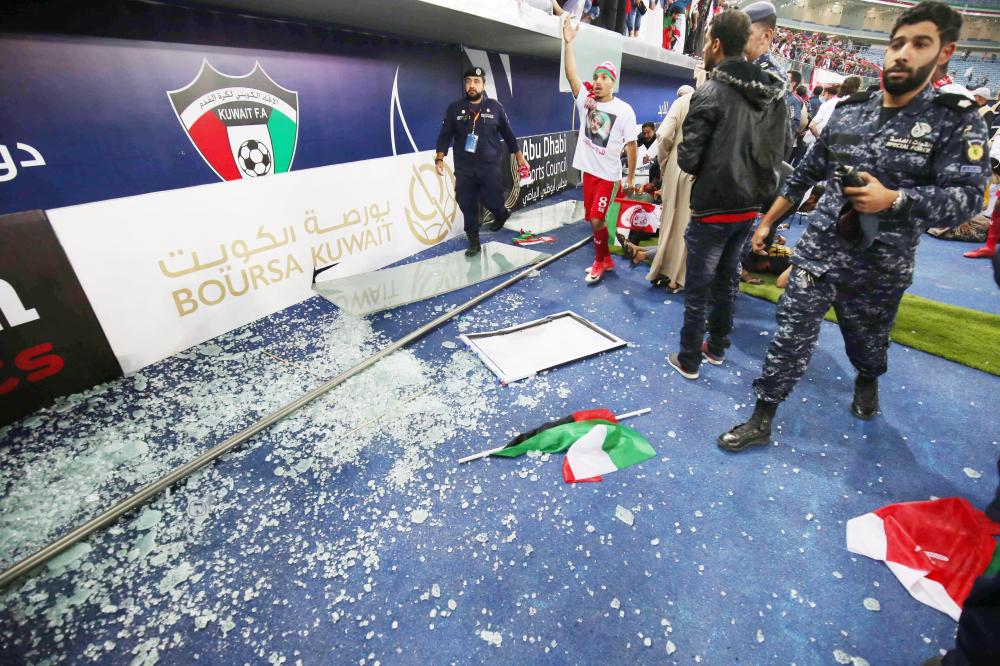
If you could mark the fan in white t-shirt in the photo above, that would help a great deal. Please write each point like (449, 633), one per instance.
(607, 125)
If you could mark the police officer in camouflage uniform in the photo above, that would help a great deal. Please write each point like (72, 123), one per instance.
(763, 22)
(921, 160)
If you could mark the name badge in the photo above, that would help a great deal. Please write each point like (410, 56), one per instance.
(909, 144)
(471, 140)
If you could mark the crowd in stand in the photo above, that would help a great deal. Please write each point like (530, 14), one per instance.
(685, 20)
(826, 51)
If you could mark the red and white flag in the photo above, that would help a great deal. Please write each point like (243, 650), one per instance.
(638, 215)
(936, 549)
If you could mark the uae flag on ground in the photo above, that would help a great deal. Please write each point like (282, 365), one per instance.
(594, 443)
(936, 549)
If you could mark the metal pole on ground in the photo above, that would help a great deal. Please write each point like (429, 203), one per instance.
(149, 491)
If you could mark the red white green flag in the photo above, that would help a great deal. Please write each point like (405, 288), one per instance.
(594, 442)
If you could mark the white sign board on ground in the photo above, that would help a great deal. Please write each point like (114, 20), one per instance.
(168, 270)
(518, 352)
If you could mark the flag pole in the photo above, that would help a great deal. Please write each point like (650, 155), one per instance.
(483, 454)
(638, 412)
(154, 488)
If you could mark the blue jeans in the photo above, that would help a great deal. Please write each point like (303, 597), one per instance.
(713, 275)
(633, 19)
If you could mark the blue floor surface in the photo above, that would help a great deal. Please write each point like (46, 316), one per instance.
(942, 273)
(731, 558)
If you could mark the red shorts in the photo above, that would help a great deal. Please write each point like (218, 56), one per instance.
(597, 196)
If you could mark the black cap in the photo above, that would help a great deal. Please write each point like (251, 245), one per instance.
(475, 71)
(759, 11)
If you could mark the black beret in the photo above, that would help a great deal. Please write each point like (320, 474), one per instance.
(759, 11)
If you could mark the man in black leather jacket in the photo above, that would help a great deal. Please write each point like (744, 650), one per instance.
(734, 138)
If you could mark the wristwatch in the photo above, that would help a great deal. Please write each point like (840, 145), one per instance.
(897, 205)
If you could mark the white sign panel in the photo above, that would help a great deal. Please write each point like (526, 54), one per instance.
(824, 77)
(168, 270)
(521, 351)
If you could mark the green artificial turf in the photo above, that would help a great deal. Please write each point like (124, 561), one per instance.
(969, 337)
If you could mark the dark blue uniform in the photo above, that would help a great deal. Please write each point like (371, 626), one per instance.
(934, 151)
(477, 174)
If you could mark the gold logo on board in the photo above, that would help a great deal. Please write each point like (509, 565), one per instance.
(431, 213)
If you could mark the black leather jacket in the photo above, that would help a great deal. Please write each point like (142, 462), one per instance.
(734, 138)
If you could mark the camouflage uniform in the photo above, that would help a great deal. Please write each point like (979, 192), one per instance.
(933, 150)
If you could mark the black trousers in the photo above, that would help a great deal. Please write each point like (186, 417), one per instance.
(978, 640)
(480, 184)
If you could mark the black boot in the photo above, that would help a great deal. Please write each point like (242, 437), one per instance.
(756, 431)
(474, 247)
(865, 404)
(497, 224)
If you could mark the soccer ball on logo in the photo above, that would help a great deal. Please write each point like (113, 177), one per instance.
(254, 158)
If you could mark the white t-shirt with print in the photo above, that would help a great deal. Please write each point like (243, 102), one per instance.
(603, 133)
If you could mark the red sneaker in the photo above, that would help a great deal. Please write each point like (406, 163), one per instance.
(596, 272)
(714, 359)
(982, 253)
(609, 263)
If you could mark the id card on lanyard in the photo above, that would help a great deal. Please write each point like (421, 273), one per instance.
(472, 139)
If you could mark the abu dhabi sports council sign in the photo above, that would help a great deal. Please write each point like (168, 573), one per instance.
(242, 126)
(210, 258)
(552, 172)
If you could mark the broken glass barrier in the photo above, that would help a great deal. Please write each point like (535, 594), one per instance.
(420, 280)
(546, 218)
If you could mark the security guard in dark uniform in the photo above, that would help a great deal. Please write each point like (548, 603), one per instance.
(895, 163)
(476, 125)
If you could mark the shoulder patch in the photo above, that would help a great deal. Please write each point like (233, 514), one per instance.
(862, 96)
(955, 101)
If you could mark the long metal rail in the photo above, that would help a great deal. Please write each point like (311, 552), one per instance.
(150, 490)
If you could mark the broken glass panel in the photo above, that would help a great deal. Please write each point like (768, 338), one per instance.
(546, 218)
(420, 280)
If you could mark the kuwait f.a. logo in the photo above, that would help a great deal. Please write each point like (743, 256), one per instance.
(243, 126)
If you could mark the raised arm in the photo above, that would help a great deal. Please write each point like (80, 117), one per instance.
(569, 34)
